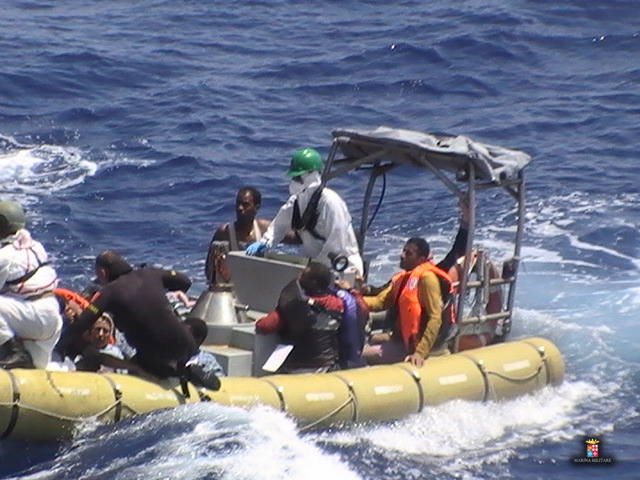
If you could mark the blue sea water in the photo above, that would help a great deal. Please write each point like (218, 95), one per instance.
(130, 125)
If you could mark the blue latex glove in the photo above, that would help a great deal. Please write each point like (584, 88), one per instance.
(255, 248)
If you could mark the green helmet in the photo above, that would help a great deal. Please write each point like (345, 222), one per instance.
(11, 218)
(303, 161)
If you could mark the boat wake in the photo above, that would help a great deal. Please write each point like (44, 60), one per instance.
(456, 439)
(195, 441)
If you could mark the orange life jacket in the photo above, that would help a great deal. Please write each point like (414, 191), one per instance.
(412, 320)
(71, 296)
(68, 295)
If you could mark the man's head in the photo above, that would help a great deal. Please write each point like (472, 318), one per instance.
(110, 265)
(101, 332)
(415, 252)
(316, 278)
(248, 202)
(198, 329)
(11, 218)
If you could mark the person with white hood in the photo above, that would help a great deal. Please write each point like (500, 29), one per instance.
(30, 319)
(316, 213)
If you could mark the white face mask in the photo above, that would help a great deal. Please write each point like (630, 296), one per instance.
(295, 187)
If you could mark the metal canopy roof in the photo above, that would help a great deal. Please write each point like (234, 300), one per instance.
(450, 153)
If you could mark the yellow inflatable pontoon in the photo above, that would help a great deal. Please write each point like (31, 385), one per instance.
(39, 405)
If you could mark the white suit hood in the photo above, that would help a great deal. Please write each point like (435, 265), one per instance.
(304, 190)
(334, 223)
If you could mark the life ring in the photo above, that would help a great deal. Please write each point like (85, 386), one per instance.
(483, 334)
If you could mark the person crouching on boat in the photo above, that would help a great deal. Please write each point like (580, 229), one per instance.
(324, 326)
(317, 214)
(207, 361)
(137, 301)
(30, 320)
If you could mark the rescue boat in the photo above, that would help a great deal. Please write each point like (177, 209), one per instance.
(484, 363)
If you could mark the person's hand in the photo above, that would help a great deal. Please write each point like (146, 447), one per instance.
(415, 359)
(343, 284)
(379, 338)
(72, 310)
(255, 248)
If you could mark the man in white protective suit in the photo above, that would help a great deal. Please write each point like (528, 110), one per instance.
(30, 320)
(318, 215)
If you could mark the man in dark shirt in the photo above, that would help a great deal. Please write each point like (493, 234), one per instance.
(324, 325)
(136, 298)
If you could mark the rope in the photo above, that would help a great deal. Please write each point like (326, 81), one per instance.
(513, 379)
(491, 392)
(59, 416)
(351, 399)
(53, 385)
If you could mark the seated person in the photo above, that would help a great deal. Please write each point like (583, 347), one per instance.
(205, 360)
(326, 331)
(245, 230)
(416, 301)
(457, 251)
(100, 340)
(419, 303)
(351, 334)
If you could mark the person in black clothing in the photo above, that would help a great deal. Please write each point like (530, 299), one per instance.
(324, 325)
(136, 298)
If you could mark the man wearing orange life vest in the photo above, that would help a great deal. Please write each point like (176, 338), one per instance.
(415, 299)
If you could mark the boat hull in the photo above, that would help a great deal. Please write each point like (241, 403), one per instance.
(37, 405)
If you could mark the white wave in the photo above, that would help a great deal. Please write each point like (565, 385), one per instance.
(629, 301)
(576, 242)
(197, 441)
(461, 438)
(566, 216)
(37, 169)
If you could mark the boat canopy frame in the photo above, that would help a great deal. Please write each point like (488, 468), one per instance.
(477, 166)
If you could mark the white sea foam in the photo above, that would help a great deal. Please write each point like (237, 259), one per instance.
(564, 217)
(28, 169)
(459, 437)
(198, 441)
(34, 170)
